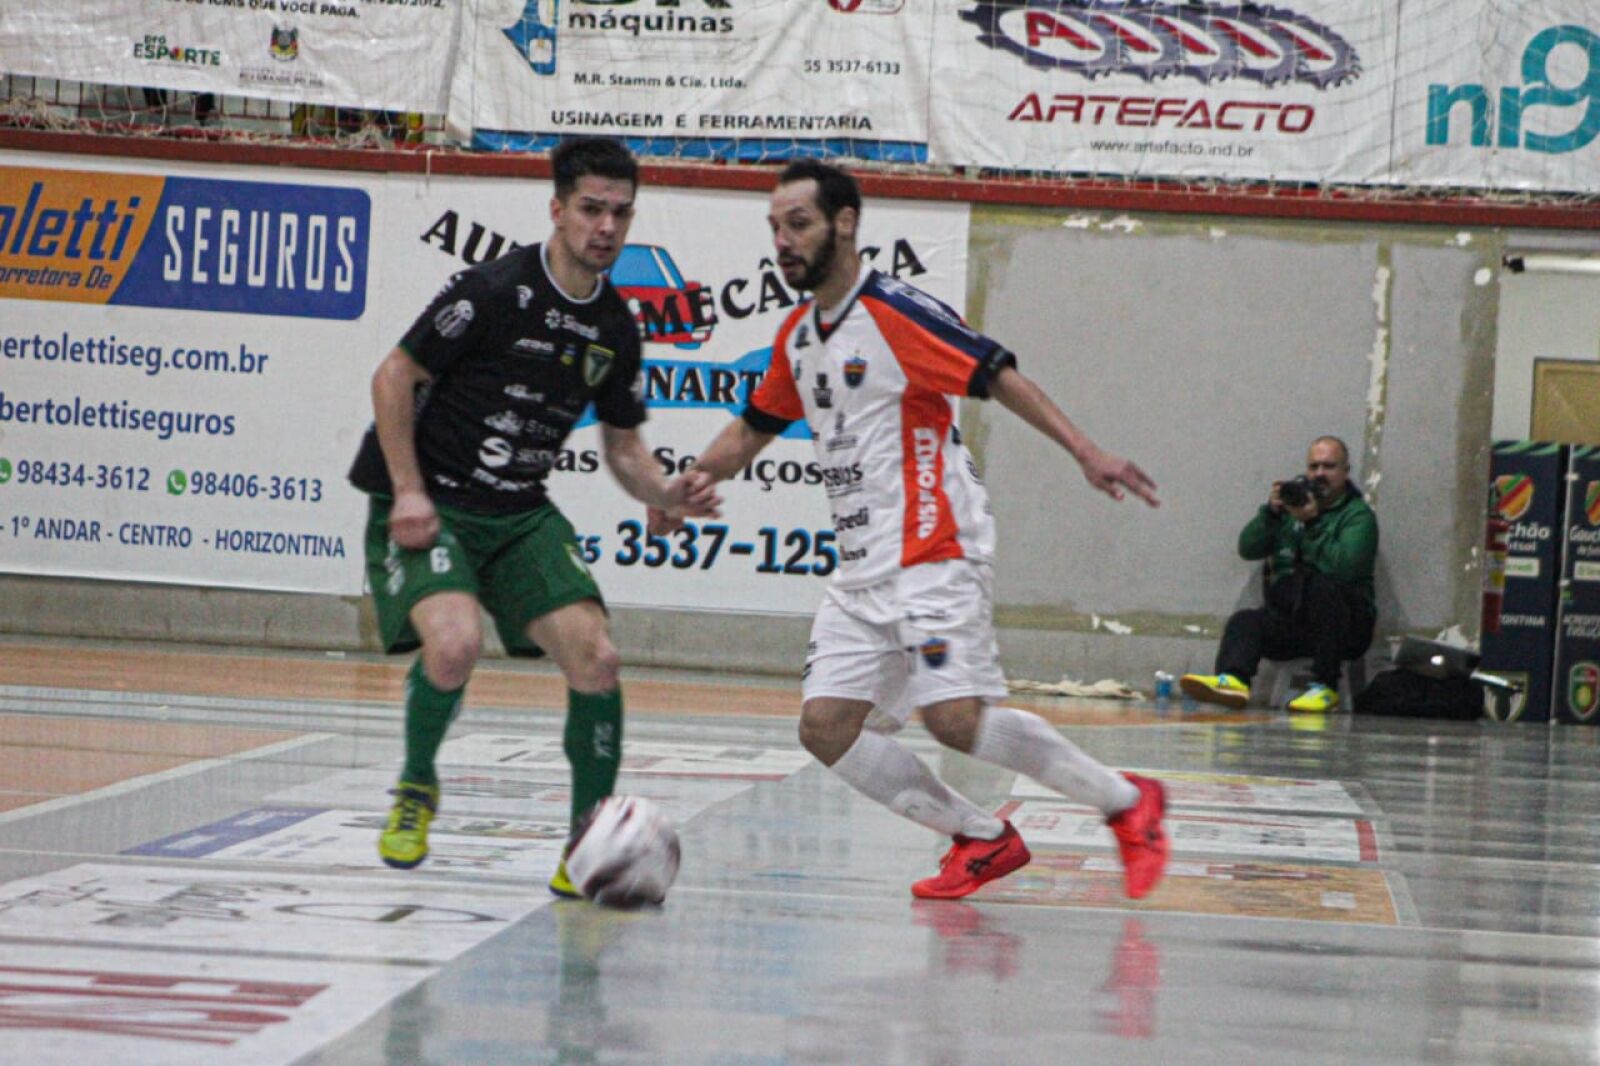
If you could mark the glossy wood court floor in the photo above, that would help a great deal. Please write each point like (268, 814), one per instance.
(188, 875)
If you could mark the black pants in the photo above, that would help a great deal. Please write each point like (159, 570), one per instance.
(1306, 614)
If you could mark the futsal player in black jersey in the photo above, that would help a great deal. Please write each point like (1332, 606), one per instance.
(470, 412)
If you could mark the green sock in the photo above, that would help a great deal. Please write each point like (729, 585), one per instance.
(429, 713)
(593, 743)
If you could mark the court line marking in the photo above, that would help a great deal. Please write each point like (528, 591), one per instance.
(134, 784)
(223, 952)
(1575, 940)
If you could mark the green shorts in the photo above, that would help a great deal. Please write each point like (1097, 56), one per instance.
(519, 566)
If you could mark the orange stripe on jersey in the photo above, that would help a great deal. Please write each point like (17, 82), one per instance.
(930, 533)
(777, 395)
(928, 361)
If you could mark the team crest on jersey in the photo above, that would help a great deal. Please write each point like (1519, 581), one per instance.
(935, 650)
(597, 364)
(855, 368)
(802, 336)
(524, 297)
(822, 394)
(452, 321)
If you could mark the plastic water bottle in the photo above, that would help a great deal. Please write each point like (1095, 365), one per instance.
(1163, 689)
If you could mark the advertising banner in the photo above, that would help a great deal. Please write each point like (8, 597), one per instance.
(184, 360)
(1526, 479)
(1296, 92)
(699, 271)
(352, 53)
(187, 360)
(1502, 96)
(1577, 676)
(1493, 95)
(747, 79)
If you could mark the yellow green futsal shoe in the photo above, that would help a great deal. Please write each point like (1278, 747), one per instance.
(1225, 689)
(1318, 699)
(561, 885)
(404, 844)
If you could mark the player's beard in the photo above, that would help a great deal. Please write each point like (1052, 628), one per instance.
(816, 271)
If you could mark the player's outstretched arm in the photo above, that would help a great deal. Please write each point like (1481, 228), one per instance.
(413, 521)
(729, 452)
(640, 476)
(1111, 474)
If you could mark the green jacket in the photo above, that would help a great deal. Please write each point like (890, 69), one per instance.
(1341, 542)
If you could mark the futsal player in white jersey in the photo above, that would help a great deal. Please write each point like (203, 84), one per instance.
(871, 364)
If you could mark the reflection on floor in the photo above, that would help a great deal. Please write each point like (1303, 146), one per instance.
(187, 875)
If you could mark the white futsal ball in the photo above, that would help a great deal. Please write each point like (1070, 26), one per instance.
(626, 854)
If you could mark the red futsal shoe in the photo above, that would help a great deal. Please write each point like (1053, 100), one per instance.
(971, 863)
(1141, 838)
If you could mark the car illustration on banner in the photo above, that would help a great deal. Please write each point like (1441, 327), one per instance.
(669, 310)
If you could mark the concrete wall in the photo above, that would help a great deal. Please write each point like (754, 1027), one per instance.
(1542, 316)
(1212, 351)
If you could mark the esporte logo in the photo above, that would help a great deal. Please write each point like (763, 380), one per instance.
(1256, 42)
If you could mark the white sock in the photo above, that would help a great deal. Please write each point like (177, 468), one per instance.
(885, 770)
(1027, 744)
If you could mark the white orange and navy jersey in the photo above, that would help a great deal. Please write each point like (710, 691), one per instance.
(877, 386)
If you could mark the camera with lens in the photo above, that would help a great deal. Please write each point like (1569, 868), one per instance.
(1297, 491)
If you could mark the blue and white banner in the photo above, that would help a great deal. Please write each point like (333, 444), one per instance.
(186, 355)
(182, 367)
(390, 54)
(1506, 98)
(697, 79)
(699, 271)
(1337, 91)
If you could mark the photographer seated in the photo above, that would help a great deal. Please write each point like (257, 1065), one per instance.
(1319, 539)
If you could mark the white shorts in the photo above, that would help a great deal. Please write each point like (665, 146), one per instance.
(921, 638)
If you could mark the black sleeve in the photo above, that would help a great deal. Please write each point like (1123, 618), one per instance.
(990, 364)
(453, 325)
(619, 401)
(762, 422)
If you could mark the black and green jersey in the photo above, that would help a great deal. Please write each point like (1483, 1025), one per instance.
(515, 363)
(1341, 542)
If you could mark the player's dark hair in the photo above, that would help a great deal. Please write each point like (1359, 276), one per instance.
(836, 190)
(603, 157)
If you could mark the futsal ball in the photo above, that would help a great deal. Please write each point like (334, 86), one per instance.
(625, 855)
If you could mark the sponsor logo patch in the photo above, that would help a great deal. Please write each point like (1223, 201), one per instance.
(597, 364)
(452, 321)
